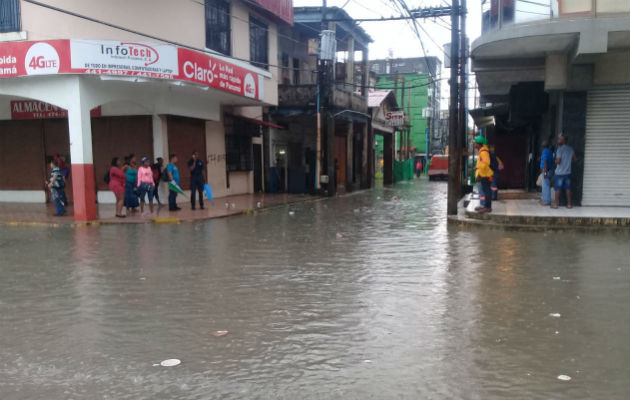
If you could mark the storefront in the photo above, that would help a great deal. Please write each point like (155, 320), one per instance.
(91, 100)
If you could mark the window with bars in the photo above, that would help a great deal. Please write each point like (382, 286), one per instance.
(218, 27)
(9, 16)
(258, 43)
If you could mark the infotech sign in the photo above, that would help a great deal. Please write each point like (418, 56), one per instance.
(127, 58)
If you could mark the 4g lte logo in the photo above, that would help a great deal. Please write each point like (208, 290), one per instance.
(41, 58)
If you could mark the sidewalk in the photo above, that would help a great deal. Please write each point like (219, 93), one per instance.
(529, 214)
(18, 214)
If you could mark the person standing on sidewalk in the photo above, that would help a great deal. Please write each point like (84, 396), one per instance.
(157, 177)
(195, 165)
(57, 185)
(547, 168)
(173, 176)
(483, 174)
(564, 157)
(496, 165)
(116, 184)
(146, 184)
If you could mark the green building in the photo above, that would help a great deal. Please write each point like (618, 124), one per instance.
(416, 93)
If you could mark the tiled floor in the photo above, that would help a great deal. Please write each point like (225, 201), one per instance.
(531, 207)
(43, 213)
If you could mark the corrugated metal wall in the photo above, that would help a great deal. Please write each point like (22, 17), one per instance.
(607, 155)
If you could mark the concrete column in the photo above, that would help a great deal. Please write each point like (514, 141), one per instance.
(160, 147)
(330, 156)
(350, 63)
(79, 124)
(349, 156)
(365, 176)
(160, 137)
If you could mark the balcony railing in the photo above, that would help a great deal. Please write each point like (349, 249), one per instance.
(496, 14)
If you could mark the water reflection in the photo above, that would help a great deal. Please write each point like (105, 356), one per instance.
(358, 297)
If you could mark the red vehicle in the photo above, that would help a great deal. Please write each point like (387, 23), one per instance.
(438, 169)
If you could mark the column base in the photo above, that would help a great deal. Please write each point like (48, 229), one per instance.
(84, 192)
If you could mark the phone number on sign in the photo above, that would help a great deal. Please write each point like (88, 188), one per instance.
(128, 73)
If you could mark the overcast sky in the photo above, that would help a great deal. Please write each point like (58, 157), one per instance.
(398, 36)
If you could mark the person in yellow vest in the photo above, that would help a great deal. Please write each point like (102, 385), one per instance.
(483, 175)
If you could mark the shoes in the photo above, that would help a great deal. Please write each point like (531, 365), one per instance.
(59, 215)
(478, 208)
(542, 203)
(193, 207)
(120, 216)
(483, 210)
(175, 209)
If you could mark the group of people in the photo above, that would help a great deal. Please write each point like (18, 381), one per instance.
(555, 173)
(555, 170)
(487, 172)
(134, 185)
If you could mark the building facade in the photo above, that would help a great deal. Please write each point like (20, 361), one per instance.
(336, 144)
(417, 86)
(92, 81)
(560, 67)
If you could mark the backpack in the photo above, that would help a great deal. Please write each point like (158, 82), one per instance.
(107, 177)
(494, 163)
(165, 176)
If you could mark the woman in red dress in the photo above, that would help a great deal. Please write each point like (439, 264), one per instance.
(117, 184)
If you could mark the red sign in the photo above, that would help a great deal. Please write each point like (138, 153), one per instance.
(109, 57)
(282, 9)
(207, 70)
(33, 109)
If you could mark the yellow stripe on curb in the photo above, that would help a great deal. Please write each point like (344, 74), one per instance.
(166, 220)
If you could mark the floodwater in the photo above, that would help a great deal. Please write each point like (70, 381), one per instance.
(356, 298)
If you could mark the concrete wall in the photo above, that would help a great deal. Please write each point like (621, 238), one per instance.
(612, 68)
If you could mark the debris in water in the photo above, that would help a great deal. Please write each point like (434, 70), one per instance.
(143, 278)
(378, 197)
(233, 205)
(356, 211)
(555, 315)
(171, 362)
(564, 377)
(339, 235)
(227, 205)
(219, 333)
(367, 361)
(291, 212)
(557, 333)
(259, 204)
(556, 278)
(395, 198)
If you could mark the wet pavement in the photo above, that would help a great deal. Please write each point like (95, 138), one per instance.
(356, 297)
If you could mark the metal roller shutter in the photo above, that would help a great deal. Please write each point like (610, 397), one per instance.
(607, 150)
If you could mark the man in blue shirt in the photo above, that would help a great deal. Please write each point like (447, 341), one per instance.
(173, 175)
(564, 157)
(547, 167)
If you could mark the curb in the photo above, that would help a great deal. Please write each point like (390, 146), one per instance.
(465, 222)
(155, 220)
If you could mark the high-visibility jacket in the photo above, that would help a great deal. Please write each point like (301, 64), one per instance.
(483, 164)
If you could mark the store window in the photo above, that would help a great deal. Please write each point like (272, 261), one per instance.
(218, 26)
(9, 16)
(258, 43)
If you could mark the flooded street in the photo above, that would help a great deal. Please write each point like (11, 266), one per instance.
(355, 297)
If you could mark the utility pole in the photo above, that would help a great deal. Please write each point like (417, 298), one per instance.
(325, 121)
(454, 156)
(455, 118)
(462, 144)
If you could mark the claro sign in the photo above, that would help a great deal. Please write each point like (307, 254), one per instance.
(126, 58)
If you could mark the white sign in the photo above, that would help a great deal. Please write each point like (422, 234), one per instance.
(395, 118)
(128, 57)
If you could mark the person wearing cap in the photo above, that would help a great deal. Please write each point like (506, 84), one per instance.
(483, 174)
(145, 184)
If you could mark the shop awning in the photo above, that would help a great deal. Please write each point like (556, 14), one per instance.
(263, 123)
